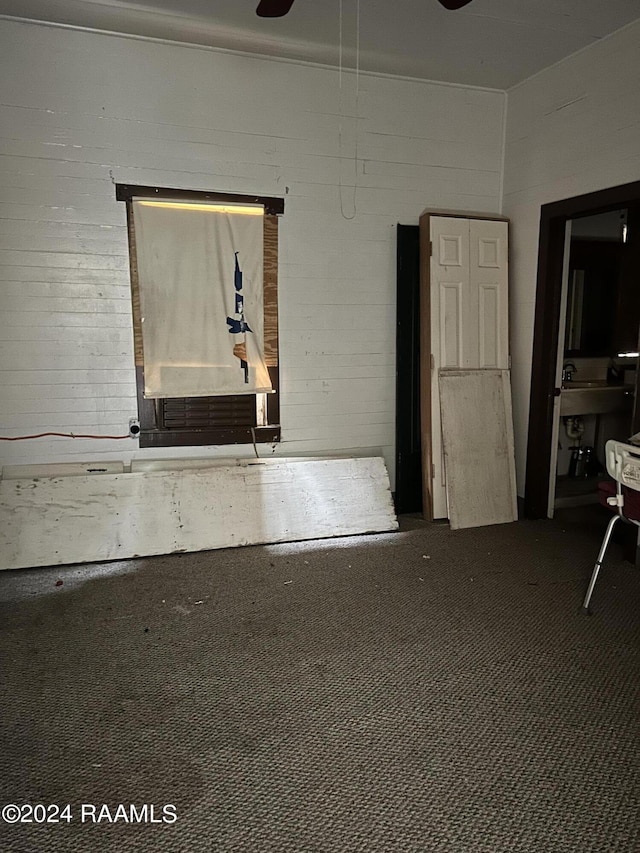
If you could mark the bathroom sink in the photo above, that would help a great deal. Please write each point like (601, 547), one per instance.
(595, 398)
(591, 383)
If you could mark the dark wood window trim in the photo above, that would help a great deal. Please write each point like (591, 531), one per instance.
(553, 219)
(126, 192)
(225, 426)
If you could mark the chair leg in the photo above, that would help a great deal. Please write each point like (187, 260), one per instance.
(596, 568)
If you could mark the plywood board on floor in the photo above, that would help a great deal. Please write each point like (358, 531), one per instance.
(58, 520)
(60, 469)
(145, 465)
(477, 431)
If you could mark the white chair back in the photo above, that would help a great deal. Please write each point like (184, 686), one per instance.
(623, 463)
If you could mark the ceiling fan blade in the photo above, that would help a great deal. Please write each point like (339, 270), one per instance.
(273, 8)
(453, 4)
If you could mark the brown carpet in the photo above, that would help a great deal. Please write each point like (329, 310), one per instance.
(428, 690)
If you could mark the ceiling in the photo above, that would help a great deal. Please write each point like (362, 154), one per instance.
(491, 43)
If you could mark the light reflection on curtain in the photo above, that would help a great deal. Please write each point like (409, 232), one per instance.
(200, 271)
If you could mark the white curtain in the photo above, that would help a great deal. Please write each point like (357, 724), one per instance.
(200, 275)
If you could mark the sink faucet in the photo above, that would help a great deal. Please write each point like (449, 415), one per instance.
(568, 369)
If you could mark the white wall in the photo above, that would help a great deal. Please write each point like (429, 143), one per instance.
(81, 111)
(572, 129)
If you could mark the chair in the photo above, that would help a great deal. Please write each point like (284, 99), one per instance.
(623, 464)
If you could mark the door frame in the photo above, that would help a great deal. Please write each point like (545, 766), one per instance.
(551, 247)
(555, 429)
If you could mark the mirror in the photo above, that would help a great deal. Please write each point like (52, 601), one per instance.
(594, 303)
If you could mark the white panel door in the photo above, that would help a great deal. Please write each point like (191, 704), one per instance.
(469, 313)
(450, 321)
(489, 284)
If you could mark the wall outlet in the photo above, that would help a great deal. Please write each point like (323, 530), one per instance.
(134, 427)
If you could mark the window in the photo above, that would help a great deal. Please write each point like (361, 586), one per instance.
(205, 415)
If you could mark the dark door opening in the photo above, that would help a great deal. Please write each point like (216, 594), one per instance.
(408, 492)
(553, 219)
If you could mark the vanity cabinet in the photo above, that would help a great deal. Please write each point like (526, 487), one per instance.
(596, 400)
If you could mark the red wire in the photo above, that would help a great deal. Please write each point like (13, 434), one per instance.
(61, 434)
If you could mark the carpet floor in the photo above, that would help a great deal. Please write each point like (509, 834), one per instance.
(426, 690)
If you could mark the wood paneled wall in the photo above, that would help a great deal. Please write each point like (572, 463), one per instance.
(82, 111)
(572, 129)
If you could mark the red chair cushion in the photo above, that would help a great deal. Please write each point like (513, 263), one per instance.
(631, 508)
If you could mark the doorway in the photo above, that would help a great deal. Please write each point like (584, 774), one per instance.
(548, 326)
(599, 320)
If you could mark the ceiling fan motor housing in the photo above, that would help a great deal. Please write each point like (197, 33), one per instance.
(279, 8)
